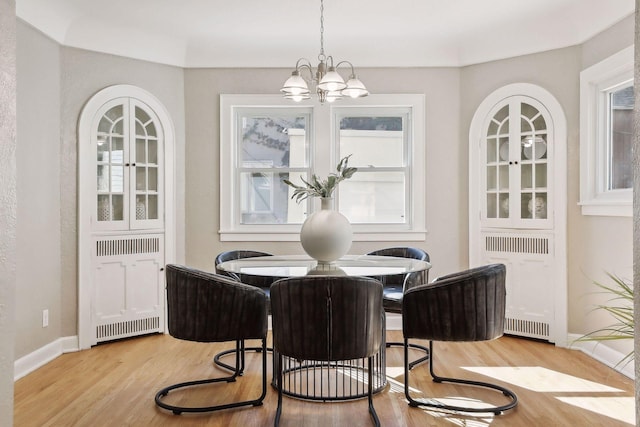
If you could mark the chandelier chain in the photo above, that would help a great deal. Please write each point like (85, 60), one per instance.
(321, 56)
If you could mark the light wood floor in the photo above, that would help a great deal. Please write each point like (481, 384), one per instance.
(114, 384)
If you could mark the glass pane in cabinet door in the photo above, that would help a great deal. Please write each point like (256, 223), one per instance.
(538, 206)
(503, 150)
(273, 141)
(151, 129)
(152, 179)
(141, 178)
(492, 150)
(142, 116)
(541, 175)
(103, 149)
(117, 207)
(104, 208)
(504, 205)
(526, 177)
(525, 206)
(492, 205)
(533, 148)
(103, 178)
(141, 150)
(141, 206)
(492, 178)
(140, 130)
(117, 149)
(503, 173)
(539, 123)
(152, 152)
(117, 179)
(152, 206)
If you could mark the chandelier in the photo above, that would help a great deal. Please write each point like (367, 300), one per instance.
(330, 85)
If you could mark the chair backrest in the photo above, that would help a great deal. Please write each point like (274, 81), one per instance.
(401, 252)
(327, 318)
(236, 254)
(207, 307)
(465, 306)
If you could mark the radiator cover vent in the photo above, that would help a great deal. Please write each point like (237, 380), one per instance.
(517, 244)
(127, 328)
(526, 328)
(128, 246)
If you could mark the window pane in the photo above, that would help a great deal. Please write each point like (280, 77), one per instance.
(277, 141)
(621, 138)
(265, 199)
(374, 197)
(372, 141)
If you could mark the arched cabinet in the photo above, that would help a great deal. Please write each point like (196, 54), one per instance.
(124, 137)
(517, 199)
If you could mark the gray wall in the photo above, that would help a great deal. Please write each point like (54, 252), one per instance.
(8, 200)
(38, 163)
(445, 189)
(53, 85)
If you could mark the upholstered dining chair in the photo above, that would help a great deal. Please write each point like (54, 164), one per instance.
(206, 307)
(263, 283)
(465, 306)
(326, 319)
(395, 285)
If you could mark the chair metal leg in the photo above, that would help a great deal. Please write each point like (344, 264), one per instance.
(177, 410)
(372, 410)
(438, 379)
(276, 421)
(420, 347)
(217, 358)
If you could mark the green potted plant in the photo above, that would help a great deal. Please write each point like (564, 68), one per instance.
(621, 309)
(322, 188)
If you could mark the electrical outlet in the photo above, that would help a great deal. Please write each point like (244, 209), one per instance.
(45, 318)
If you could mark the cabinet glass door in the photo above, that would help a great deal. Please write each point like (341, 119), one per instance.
(516, 165)
(110, 145)
(129, 150)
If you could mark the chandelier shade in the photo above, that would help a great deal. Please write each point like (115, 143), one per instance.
(329, 84)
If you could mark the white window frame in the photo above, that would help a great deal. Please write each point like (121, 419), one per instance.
(323, 158)
(596, 83)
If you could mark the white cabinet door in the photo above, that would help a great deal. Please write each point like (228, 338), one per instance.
(128, 277)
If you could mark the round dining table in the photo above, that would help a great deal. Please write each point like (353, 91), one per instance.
(304, 375)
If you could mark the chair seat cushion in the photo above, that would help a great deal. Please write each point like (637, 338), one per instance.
(392, 298)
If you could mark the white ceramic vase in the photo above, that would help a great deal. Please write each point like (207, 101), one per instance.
(326, 235)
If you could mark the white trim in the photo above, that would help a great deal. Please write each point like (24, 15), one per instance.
(86, 186)
(560, 323)
(595, 199)
(606, 355)
(40, 357)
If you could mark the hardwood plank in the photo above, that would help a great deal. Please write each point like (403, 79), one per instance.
(114, 384)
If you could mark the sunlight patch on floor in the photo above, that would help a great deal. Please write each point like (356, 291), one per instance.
(619, 408)
(542, 380)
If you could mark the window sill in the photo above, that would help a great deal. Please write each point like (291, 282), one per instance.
(607, 208)
(289, 236)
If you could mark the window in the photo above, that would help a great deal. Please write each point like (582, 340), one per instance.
(265, 139)
(606, 127)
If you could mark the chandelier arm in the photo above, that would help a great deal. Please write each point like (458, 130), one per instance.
(353, 71)
(305, 66)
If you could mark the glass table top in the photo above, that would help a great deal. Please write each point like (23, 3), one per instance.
(302, 265)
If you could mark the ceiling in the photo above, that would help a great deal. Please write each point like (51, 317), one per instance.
(275, 33)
